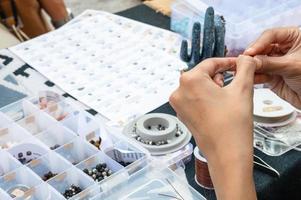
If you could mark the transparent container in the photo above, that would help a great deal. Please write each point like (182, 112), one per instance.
(12, 135)
(90, 129)
(61, 110)
(100, 158)
(8, 163)
(42, 192)
(4, 195)
(19, 182)
(45, 99)
(81, 123)
(153, 184)
(77, 151)
(184, 15)
(56, 136)
(36, 122)
(75, 177)
(28, 150)
(19, 110)
(49, 165)
(241, 18)
(4, 121)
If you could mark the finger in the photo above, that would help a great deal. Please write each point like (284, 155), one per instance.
(245, 72)
(272, 36)
(219, 79)
(214, 66)
(262, 78)
(273, 65)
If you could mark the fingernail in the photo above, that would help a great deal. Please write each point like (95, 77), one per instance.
(249, 51)
(221, 83)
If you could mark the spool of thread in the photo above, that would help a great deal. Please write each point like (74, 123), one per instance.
(202, 176)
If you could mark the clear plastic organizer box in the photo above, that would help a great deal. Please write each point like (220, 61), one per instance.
(245, 20)
(45, 149)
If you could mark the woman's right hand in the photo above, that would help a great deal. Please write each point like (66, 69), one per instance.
(278, 52)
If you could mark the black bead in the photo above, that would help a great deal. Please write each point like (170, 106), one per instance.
(86, 171)
(99, 167)
(28, 153)
(20, 155)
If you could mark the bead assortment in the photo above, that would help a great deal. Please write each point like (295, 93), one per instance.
(72, 191)
(23, 159)
(99, 172)
(48, 176)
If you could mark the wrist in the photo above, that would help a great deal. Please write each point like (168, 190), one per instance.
(231, 165)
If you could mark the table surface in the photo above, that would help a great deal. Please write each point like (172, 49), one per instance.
(288, 186)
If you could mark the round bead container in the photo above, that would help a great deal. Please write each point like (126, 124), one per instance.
(159, 133)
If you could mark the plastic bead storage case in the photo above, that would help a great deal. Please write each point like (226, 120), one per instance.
(50, 149)
(56, 150)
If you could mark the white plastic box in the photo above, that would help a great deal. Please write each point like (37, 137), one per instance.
(151, 183)
(46, 131)
(245, 20)
(127, 160)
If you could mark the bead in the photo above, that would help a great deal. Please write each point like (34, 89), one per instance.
(28, 153)
(20, 155)
(86, 171)
(71, 191)
(99, 167)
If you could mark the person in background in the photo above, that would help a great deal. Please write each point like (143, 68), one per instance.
(28, 18)
(221, 118)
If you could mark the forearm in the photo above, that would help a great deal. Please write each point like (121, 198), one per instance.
(230, 163)
(233, 181)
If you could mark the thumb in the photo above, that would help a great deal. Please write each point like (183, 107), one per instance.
(245, 72)
(273, 65)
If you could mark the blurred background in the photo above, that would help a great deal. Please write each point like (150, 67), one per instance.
(78, 6)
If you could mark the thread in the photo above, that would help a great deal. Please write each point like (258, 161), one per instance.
(202, 175)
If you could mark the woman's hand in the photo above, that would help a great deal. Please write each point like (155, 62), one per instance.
(278, 52)
(220, 119)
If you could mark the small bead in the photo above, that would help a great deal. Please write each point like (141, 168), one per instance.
(86, 171)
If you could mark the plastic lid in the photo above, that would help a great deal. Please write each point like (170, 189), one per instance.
(153, 184)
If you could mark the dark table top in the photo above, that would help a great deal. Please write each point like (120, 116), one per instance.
(288, 186)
